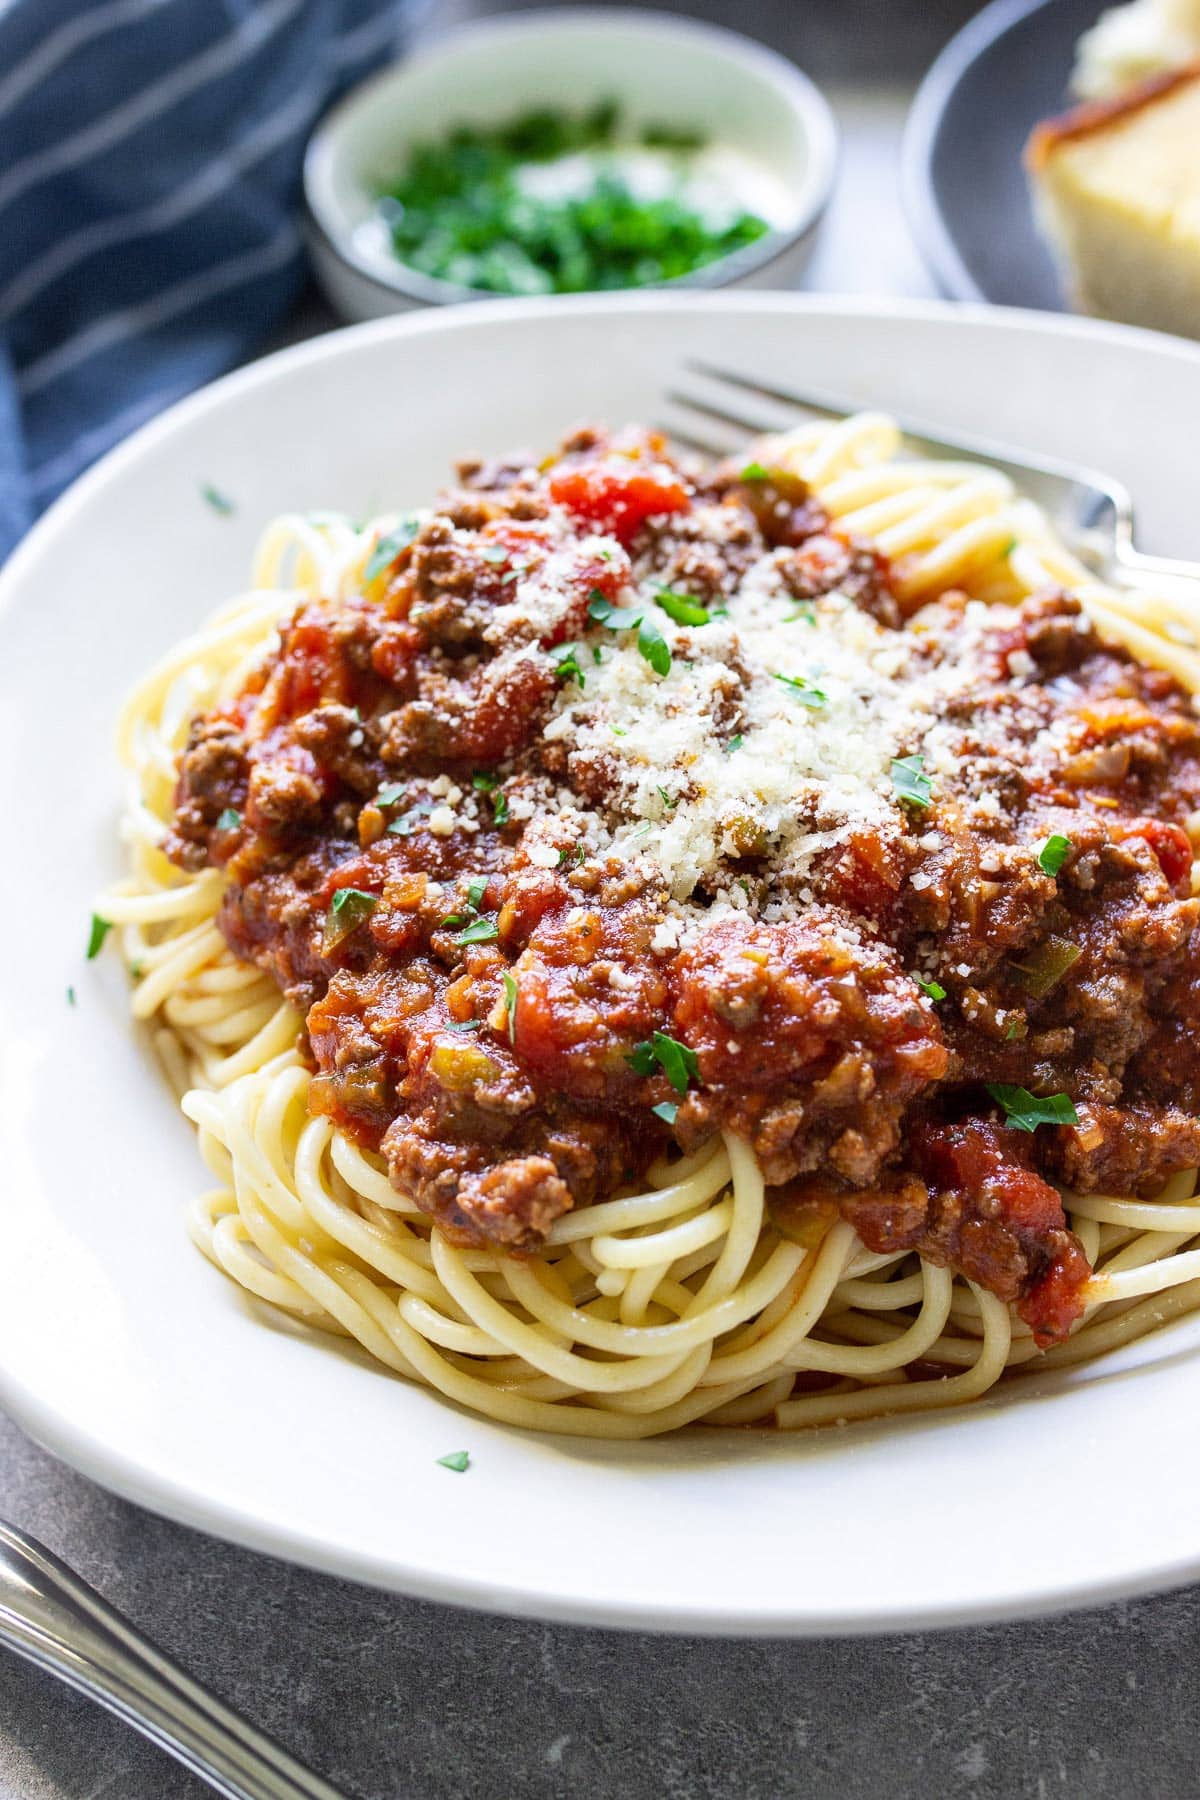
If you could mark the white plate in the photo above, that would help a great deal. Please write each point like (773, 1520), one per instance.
(122, 1350)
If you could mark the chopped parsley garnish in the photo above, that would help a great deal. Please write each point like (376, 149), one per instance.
(229, 820)
(573, 858)
(220, 503)
(934, 989)
(567, 667)
(805, 613)
(390, 793)
(407, 822)
(666, 1110)
(347, 910)
(676, 1061)
(465, 1025)
(681, 607)
(597, 655)
(483, 783)
(475, 892)
(910, 781)
(669, 801)
(460, 207)
(483, 931)
(1053, 852)
(654, 647)
(650, 640)
(500, 809)
(735, 743)
(807, 692)
(389, 547)
(100, 930)
(70, 996)
(510, 1005)
(754, 471)
(1025, 1111)
(458, 1460)
(617, 618)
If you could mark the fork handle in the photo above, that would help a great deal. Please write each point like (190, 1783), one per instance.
(1137, 566)
(51, 1618)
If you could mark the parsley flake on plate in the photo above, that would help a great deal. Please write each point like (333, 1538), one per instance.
(99, 931)
(654, 647)
(677, 1062)
(566, 667)
(220, 503)
(347, 911)
(1053, 852)
(681, 607)
(807, 692)
(616, 618)
(910, 781)
(390, 546)
(1025, 1111)
(483, 931)
(458, 1460)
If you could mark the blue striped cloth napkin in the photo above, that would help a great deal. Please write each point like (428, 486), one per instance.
(150, 155)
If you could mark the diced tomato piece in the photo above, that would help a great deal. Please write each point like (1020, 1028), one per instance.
(618, 496)
(1170, 843)
(1055, 1300)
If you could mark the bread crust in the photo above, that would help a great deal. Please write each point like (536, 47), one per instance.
(1096, 115)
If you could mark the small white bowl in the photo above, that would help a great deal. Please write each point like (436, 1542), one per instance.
(658, 68)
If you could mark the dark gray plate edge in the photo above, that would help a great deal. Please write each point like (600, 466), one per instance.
(921, 209)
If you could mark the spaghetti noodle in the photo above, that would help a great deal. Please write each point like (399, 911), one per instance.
(683, 1290)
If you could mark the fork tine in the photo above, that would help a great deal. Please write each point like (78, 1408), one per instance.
(824, 404)
(725, 415)
(706, 446)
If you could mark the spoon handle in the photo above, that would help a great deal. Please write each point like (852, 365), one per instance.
(54, 1620)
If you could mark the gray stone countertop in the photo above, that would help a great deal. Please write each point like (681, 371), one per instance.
(396, 1700)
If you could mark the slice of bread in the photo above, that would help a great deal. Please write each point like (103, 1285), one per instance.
(1117, 188)
(1131, 43)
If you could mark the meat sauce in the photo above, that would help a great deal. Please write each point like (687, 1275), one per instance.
(517, 1039)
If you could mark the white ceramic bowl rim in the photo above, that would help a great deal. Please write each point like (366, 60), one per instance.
(798, 91)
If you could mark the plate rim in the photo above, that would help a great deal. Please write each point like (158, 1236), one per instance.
(326, 344)
(128, 1475)
(925, 218)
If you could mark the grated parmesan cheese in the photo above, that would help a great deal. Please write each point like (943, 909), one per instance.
(727, 758)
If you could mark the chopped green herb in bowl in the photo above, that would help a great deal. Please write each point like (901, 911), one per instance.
(555, 202)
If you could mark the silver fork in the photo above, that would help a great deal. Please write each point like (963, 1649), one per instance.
(1092, 511)
(50, 1617)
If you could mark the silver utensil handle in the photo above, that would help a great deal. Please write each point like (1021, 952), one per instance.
(54, 1620)
(1137, 566)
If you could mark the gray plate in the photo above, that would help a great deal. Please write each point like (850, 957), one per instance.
(965, 188)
